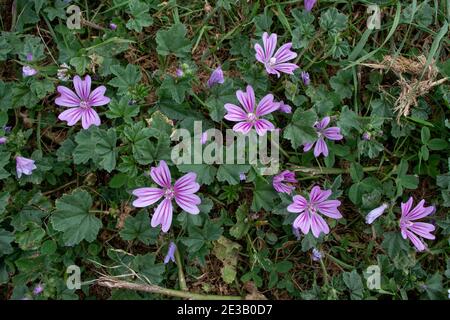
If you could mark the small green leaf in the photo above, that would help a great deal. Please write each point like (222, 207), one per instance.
(122, 110)
(332, 21)
(354, 283)
(301, 129)
(6, 238)
(126, 78)
(106, 148)
(141, 18)
(173, 41)
(72, 217)
(138, 228)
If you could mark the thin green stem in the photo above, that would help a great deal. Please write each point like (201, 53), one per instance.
(320, 171)
(181, 278)
(324, 270)
(38, 132)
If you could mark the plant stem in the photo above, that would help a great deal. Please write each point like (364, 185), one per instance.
(316, 170)
(38, 132)
(339, 262)
(119, 284)
(181, 278)
(324, 270)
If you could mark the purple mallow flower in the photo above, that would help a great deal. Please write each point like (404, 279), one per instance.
(81, 102)
(24, 166)
(275, 63)
(284, 107)
(316, 254)
(366, 136)
(29, 57)
(284, 181)
(216, 77)
(332, 133)
(413, 230)
(305, 78)
(3, 140)
(309, 4)
(113, 26)
(309, 210)
(182, 191)
(7, 129)
(247, 116)
(28, 71)
(242, 176)
(375, 213)
(38, 289)
(170, 253)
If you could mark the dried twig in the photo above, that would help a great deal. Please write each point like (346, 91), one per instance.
(113, 283)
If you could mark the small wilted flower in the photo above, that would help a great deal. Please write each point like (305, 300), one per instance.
(179, 72)
(366, 136)
(216, 77)
(38, 289)
(309, 4)
(204, 137)
(3, 140)
(284, 107)
(296, 232)
(24, 166)
(80, 103)
(7, 129)
(113, 26)
(332, 133)
(284, 181)
(305, 78)
(316, 254)
(182, 191)
(28, 71)
(250, 115)
(275, 62)
(308, 210)
(63, 72)
(375, 213)
(170, 256)
(29, 57)
(413, 230)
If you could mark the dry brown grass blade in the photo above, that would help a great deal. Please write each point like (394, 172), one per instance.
(413, 86)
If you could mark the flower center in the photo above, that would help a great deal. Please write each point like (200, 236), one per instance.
(311, 208)
(169, 193)
(406, 224)
(84, 104)
(251, 117)
(272, 61)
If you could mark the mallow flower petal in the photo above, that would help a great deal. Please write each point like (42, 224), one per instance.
(161, 174)
(187, 184)
(163, 215)
(188, 202)
(72, 116)
(147, 196)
